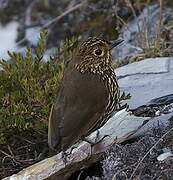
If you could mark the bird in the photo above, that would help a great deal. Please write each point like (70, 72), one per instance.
(88, 95)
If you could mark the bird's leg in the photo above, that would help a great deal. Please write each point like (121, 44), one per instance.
(97, 137)
(83, 138)
(87, 140)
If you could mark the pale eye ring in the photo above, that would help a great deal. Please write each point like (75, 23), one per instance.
(98, 52)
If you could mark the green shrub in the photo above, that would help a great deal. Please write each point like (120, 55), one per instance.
(28, 86)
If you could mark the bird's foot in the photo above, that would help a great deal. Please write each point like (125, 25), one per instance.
(64, 157)
(65, 154)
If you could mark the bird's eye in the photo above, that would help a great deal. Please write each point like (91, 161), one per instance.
(98, 52)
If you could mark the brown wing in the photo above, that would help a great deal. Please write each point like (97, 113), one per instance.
(81, 101)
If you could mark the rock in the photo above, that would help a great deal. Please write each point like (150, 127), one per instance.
(32, 35)
(119, 127)
(147, 21)
(147, 66)
(164, 156)
(146, 80)
(168, 99)
(125, 50)
(8, 35)
(152, 110)
(160, 121)
(137, 28)
(3, 3)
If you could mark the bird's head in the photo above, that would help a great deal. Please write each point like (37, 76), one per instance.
(95, 53)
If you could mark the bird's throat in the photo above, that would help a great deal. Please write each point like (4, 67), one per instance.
(96, 68)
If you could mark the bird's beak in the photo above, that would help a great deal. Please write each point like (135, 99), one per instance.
(116, 42)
